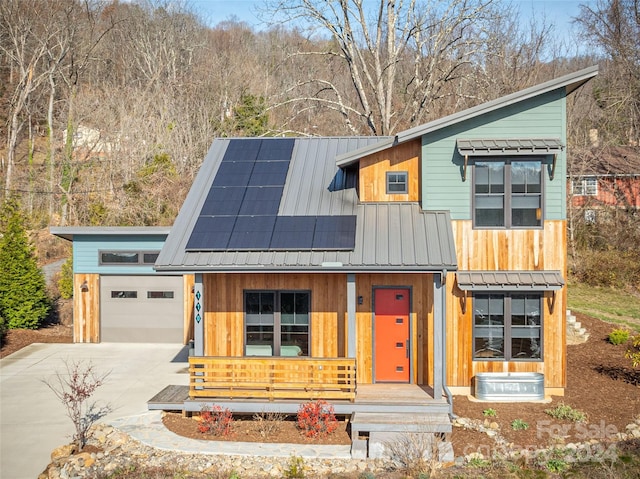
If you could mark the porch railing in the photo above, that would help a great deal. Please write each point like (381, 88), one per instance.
(272, 378)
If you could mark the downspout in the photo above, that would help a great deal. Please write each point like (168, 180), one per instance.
(445, 388)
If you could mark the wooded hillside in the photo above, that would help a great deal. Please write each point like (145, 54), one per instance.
(107, 108)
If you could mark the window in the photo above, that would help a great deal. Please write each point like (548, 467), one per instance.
(397, 182)
(124, 294)
(159, 294)
(507, 326)
(128, 257)
(508, 193)
(585, 186)
(277, 323)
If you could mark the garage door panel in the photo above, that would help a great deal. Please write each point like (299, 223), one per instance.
(141, 309)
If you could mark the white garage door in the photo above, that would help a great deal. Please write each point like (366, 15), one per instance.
(141, 309)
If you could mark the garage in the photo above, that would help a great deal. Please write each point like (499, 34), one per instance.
(141, 309)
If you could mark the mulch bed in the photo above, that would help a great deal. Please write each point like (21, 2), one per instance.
(16, 339)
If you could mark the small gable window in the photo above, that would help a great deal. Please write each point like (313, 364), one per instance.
(397, 182)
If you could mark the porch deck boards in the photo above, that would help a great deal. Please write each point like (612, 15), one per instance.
(370, 398)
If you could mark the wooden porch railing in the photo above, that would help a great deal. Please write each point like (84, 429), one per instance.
(272, 378)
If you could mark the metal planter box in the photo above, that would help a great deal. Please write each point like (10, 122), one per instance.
(509, 386)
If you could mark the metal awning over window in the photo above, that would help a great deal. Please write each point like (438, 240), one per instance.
(510, 146)
(510, 280)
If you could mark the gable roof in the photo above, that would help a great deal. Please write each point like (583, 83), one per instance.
(569, 82)
(388, 237)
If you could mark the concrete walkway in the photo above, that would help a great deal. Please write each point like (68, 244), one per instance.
(32, 420)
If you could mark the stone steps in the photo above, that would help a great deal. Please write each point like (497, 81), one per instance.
(576, 334)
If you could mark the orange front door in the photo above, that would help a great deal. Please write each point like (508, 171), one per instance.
(391, 336)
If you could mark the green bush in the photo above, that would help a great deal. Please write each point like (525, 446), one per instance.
(24, 302)
(65, 280)
(564, 411)
(619, 336)
(519, 425)
(633, 352)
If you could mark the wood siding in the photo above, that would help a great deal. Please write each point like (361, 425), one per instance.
(224, 306)
(374, 168)
(86, 309)
(188, 281)
(224, 316)
(507, 250)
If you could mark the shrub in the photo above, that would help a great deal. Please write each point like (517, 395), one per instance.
(23, 294)
(489, 412)
(566, 412)
(619, 336)
(519, 425)
(633, 352)
(268, 423)
(415, 454)
(74, 388)
(3, 331)
(215, 420)
(65, 280)
(316, 418)
(295, 469)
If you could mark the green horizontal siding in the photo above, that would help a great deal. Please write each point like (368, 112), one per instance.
(541, 117)
(86, 248)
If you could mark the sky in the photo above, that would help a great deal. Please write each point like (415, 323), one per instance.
(558, 11)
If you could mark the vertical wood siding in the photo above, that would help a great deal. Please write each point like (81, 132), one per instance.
(86, 309)
(188, 281)
(224, 305)
(507, 250)
(373, 169)
(224, 316)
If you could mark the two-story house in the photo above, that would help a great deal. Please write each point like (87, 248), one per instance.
(425, 258)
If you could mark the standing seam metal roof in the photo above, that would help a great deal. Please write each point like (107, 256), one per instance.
(389, 236)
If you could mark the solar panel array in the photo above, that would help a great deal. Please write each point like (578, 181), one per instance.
(240, 212)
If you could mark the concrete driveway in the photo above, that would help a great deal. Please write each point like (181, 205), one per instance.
(32, 420)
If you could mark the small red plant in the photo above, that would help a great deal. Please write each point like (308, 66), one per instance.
(216, 420)
(316, 418)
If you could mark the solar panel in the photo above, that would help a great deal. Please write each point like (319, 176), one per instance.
(269, 173)
(242, 150)
(233, 173)
(223, 200)
(335, 232)
(252, 233)
(261, 200)
(211, 233)
(293, 232)
(276, 149)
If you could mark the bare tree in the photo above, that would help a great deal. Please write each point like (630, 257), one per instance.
(399, 55)
(613, 26)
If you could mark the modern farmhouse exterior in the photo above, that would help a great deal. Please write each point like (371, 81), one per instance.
(425, 258)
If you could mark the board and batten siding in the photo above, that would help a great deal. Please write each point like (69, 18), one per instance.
(442, 166)
(507, 250)
(374, 168)
(224, 314)
(86, 249)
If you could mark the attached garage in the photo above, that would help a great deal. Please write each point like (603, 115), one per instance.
(117, 295)
(138, 309)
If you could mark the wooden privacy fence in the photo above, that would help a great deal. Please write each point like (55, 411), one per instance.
(272, 378)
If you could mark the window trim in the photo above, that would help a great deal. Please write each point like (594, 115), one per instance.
(508, 326)
(388, 183)
(508, 194)
(140, 253)
(277, 323)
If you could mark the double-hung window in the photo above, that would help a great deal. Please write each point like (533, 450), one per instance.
(397, 182)
(507, 326)
(585, 186)
(508, 193)
(277, 323)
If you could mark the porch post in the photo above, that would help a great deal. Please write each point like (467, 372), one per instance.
(198, 314)
(351, 315)
(438, 331)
